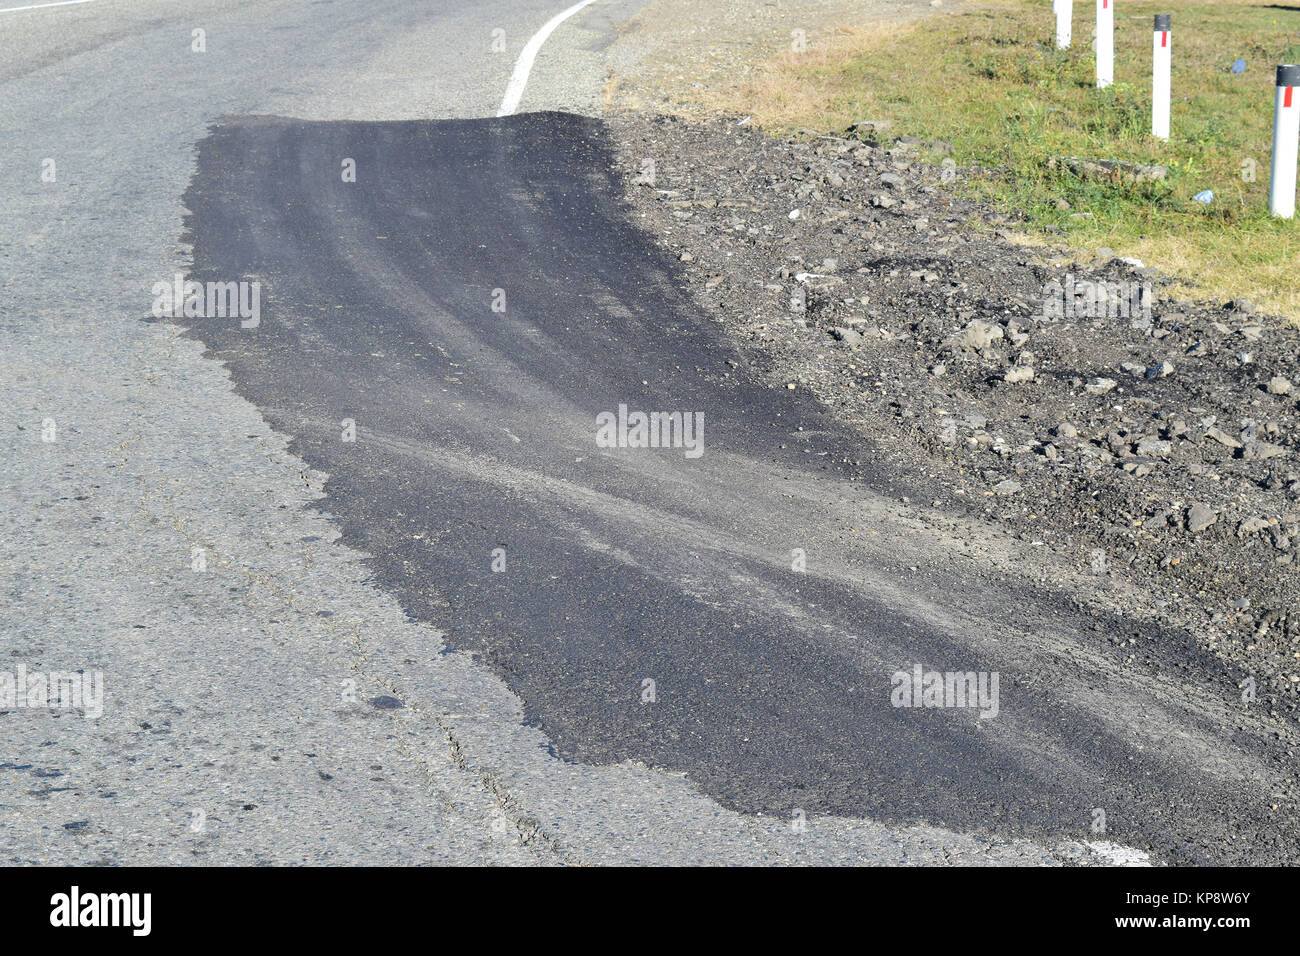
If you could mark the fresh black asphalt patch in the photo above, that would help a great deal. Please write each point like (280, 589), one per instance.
(475, 431)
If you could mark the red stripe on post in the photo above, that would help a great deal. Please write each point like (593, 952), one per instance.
(1286, 100)
(1164, 38)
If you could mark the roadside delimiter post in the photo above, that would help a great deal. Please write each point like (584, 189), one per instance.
(1105, 43)
(1064, 18)
(1162, 61)
(1286, 142)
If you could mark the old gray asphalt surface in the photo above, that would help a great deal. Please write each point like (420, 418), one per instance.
(242, 695)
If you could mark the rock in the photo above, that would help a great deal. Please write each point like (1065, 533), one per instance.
(1154, 448)
(1240, 306)
(892, 180)
(884, 202)
(799, 300)
(1008, 486)
(1065, 430)
(1278, 385)
(870, 126)
(978, 335)
(1019, 374)
(1108, 170)
(1160, 370)
(1138, 467)
(1100, 386)
(1251, 333)
(1222, 437)
(1261, 451)
(1063, 206)
(1199, 517)
(850, 337)
(1251, 525)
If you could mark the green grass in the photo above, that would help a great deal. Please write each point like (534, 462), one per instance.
(989, 80)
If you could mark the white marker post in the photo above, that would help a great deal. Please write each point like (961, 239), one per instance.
(1105, 43)
(1286, 142)
(1162, 59)
(1064, 19)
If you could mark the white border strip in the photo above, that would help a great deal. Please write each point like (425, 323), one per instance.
(38, 6)
(519, 78)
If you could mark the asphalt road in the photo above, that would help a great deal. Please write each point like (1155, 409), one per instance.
(347, 679)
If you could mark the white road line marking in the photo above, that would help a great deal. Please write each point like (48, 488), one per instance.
(519, 78)
(37, 6)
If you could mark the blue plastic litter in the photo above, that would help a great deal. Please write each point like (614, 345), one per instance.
(1206, 197)
(1239, 66)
